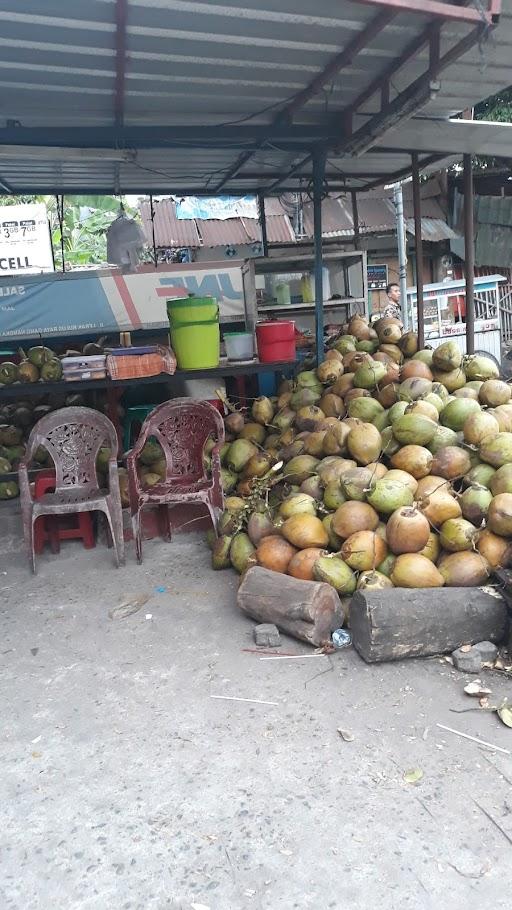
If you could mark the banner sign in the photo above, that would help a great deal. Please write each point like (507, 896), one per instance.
(85, 303)
(25, 244)
(216, 207)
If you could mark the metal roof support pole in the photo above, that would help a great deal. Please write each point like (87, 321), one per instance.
(263, 222)
(319, 157)
(416, 198)
(152, 213)
(469, 254)
(355, 219)
(402, 250)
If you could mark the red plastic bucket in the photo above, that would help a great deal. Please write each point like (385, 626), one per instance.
(276, 341)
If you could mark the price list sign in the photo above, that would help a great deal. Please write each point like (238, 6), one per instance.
(25, 244)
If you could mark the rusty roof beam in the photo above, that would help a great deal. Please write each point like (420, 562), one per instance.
(408, 102)
(404, 172)
(447, 11)
(340, 61)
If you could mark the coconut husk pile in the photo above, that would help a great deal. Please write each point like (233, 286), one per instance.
(386, 466)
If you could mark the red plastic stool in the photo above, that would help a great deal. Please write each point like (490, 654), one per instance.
(52, 528)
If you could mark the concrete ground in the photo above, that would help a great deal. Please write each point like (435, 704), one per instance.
(126, 786)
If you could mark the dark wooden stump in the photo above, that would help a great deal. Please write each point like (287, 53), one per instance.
(504, 579)
(304, 609)
(406, 622)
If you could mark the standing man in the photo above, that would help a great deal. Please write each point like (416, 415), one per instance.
(392, 307)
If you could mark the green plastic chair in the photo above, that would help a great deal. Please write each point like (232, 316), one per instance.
(135, 414)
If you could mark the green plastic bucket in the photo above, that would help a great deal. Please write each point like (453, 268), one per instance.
(195, 335)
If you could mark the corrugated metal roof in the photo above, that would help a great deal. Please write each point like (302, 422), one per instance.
(171, 231)
(226, 62)
(376, 215)
(432, 229)
(168, 231)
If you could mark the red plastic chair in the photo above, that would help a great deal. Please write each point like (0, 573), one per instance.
(52, 529)
(181, 426)
(73, 437)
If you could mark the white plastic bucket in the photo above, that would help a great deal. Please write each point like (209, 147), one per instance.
(239, 345)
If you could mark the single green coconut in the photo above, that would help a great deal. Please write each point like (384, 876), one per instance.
(447, 357)
(397, 410)
(297, 503)
(475, 502)
(240, 452)
(479, 367)
(300, 467)
(414, 429)
(334, 496)
(442, 437)
(151, 452)
(263, 410)
(413, 388)
(10, 435)
(229, 479)
(8, 373)
(241, 551)
(390, 445)
(455, 413)
(501, 480)
(389, 495)
(220, 553)
(497, 451)
(387, 565)
(9, 489)
(356, 484)
(369, 375)
(381, 421)
(365, 409)
(336, 572)
(346, 344)
(102, 459)
(39, 355)
(253, 432)
(51, 370)
(14, 454)
(5, 466)
(457, 534)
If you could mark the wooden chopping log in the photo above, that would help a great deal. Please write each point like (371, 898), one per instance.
(304, 609)
(504, 578)
(417, 622)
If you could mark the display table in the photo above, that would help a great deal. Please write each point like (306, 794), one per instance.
(115, 388)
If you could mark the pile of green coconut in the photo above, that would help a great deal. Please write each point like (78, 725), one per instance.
(386, 466)
(38, 364)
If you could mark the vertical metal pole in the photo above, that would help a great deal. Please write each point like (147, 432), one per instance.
(319, 157)
(416, 197)
(355, 219)
(263, 223)
(152, 213)
(469, 255)
(402, 252)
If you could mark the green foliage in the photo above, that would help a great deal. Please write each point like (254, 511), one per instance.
(85, 225)
(497, 108)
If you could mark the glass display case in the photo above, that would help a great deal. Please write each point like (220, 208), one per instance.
(287, 285)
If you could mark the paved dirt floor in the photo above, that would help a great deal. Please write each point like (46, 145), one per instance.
(126, 786)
